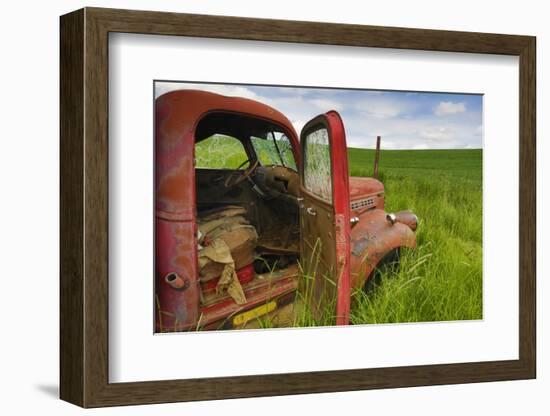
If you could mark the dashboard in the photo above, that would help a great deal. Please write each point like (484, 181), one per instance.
(276, 181)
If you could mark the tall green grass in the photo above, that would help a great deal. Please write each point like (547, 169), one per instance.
(442, 279)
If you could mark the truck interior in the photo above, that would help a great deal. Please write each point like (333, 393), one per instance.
(247, 163)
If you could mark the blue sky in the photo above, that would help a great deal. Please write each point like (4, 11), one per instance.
(405, 120)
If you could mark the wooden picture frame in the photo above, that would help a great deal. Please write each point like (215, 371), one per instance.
(84, 207)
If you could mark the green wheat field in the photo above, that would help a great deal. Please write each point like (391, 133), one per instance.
(442, 279)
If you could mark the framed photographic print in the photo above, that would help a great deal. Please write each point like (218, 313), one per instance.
(255, 207)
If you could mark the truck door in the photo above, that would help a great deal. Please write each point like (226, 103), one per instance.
(325, 218)
(176, 286)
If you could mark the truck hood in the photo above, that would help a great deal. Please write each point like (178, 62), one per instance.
(359, 187)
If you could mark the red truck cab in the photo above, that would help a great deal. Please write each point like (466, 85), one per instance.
(312, 221)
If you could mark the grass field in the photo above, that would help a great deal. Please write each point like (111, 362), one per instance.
(442, 279)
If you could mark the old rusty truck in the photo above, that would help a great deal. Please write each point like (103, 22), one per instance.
(235, 244)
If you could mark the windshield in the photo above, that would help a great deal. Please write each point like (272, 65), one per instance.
(274, 149)
(220, 151)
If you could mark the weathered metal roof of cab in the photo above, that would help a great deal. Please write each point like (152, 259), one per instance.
(186, 107)
(176, 118)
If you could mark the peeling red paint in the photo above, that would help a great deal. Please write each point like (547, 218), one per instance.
(359, 187)
(371, 239)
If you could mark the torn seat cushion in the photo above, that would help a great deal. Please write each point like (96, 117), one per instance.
(236, 232)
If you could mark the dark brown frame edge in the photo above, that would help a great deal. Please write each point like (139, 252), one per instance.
(84, 209)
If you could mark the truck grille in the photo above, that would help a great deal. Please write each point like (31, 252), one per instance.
(363, 203)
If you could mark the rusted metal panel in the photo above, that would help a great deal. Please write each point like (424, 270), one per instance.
(371, 239)
(218, 315)
(359, 187)
(408, 218)
(182, 110)
(342, 228)
(340, 172)
(365, 194)
(175, 228)
(177, 308)
(327, 223)
(318, 253)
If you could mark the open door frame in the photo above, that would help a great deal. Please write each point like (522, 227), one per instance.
(338, 210)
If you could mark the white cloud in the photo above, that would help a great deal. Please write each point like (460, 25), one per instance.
(383, 106)
(436, 133)
(380, 109)
(448, 107)
(327, 105)
(403, 133)
(367, 142)
(298, 125)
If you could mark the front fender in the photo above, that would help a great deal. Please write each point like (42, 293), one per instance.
(371, 239)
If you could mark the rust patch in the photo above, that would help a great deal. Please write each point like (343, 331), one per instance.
(371, 239)
(175, 184)
(359, 246)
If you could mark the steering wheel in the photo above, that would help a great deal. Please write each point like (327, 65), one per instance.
(237, 176)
